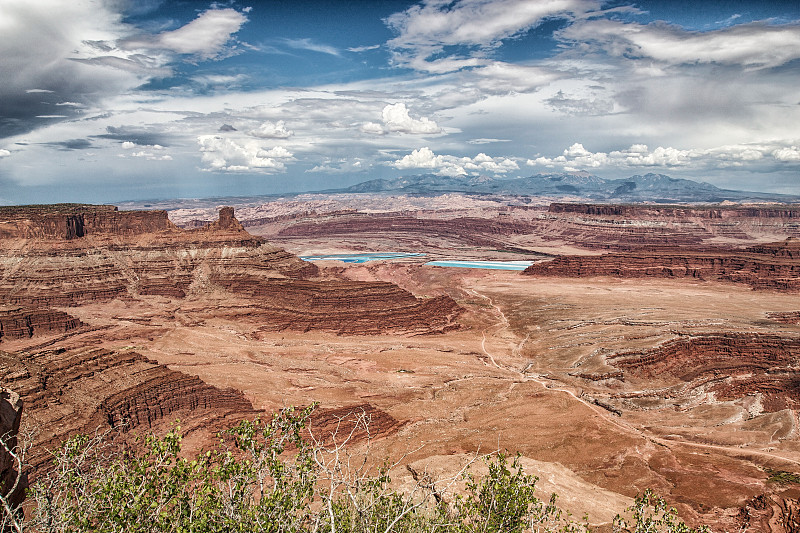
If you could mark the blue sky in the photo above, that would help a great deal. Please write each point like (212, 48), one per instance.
(111, 100)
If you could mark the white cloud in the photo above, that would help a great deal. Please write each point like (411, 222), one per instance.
(447, 165)
(788, 154)
(756, 45)
(220, 80)
(308, 44)
(640, 155)
(150, 156)
(206, 37)
(224, 154)
(341, 166)
(272, 130)
(372, 127)
(357, 49)
(4, 153)
(424, 30)
(146, 151)
(396, 118)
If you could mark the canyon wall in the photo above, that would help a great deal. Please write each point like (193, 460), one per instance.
(126, 260)
(20, 322)
(729, 365)
(774, 266)
(647, 211)
(87, 389)
(74, 221)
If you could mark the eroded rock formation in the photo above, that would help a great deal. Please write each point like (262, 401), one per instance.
(20, 322)
(71, 256)
(73, 221)
(86, 389)
(729, 365)
(774, 266)
(116, 258)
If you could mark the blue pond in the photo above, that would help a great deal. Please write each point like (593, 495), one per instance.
(358, 258)
(495, 265)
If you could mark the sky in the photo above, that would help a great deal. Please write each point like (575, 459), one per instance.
(113, 100)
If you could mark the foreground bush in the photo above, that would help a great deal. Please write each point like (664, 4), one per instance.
(268, 477)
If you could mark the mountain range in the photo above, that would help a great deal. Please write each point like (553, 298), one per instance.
(639, 188)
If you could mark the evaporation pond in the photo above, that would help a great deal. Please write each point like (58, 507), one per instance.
(359, 258)
(495, 265)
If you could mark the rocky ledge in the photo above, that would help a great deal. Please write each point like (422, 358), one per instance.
(130, 256)
(729, 365)
(773, 266)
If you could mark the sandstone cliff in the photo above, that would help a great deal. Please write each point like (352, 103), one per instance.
(775, 266)
(128, 256)
(20, 322)
(729, 365)
(85, 389)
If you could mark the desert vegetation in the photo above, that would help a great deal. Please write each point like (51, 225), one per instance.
(275, 476)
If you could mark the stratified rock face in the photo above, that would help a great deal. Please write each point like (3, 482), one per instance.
(19, 322)
(103, 265)
(12, 482)
(643, 211)
(478, 231)
(73, 221)
(80, 390)
(361, 311)
(647, 227)
(730, 365)
(774, 266)
(785, 317)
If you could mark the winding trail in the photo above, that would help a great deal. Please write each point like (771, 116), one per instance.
(503, 324)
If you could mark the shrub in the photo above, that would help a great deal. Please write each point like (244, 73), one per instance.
(266, 476)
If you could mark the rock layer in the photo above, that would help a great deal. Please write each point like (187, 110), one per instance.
(74, 221)
(774, 266)
(86, 389)
(19, 322)
(730, 365)
(120, 259)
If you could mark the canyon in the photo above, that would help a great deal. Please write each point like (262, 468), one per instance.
(646, 347)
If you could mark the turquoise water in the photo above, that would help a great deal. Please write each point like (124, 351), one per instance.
(359, 258)
(495, 265)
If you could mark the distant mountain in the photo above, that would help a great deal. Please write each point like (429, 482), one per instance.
(647, 188)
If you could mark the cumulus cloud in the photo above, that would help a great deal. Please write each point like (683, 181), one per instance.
(4, 153)
(788, 154)
(372, 127)
(153, 152)
(396, 118)
(223, 154)
(448, 165)
(206, 37)
(577, 157)
(272, 130)
(425, 30)
(756, 45)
